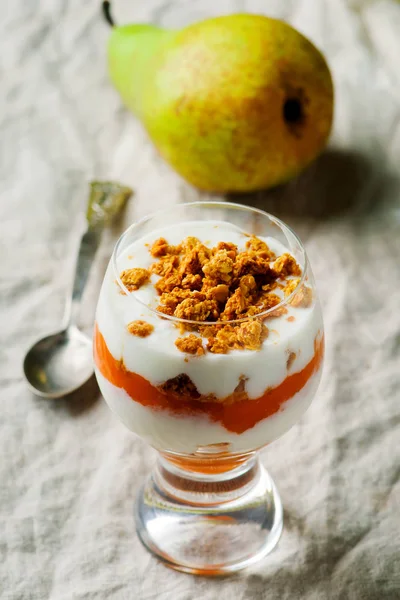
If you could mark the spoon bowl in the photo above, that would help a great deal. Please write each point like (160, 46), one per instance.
(59, 363)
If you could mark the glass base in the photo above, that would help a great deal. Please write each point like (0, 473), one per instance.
(209, 516)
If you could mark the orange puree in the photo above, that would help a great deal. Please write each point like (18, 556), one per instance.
(235, 415)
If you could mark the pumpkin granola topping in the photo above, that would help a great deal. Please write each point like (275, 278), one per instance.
(215, 286)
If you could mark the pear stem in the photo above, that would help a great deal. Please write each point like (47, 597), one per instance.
(106, 6)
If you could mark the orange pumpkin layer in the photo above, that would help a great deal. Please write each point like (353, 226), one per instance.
(235, 415)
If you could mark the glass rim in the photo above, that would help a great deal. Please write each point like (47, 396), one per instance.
(213, 204)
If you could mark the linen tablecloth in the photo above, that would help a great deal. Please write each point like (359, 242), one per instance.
(68, 469)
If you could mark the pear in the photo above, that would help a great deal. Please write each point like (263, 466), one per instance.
(233, 103)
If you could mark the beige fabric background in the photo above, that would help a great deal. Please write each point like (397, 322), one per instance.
(68, 470)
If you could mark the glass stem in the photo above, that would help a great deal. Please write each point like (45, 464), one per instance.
(204, 481)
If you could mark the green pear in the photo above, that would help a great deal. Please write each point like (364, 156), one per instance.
(233, 103)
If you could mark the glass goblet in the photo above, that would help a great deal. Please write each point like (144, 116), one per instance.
(209, 506)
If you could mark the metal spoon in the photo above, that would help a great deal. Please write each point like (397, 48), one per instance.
(61, 362)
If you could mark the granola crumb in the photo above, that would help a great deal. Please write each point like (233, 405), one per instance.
(272, 285)
(291, 286)
(286, 265)
(192, 282)
(220, 266)
(195, 310)
(165, 310)
(162, 248)
(219, 293)
(268, 300)
(291, 319)
(191, 242)
(217, 346)
(191, 344)
(133, 279)
(264, 332)
(228, 246)
(239, 392)
(165, 266)
(167, 284)
(140, 328)
(181, 385)
(120, 290)
(275, 314)
(290, 359)
(303, 297)
(250, 334)
(223, 339)
(235, 306)
(260, 247)
(250, 263)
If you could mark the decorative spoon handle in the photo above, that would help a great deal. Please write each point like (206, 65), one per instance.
(106, 200)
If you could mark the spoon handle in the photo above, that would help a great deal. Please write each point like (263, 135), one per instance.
(89, 243)
(106, 200)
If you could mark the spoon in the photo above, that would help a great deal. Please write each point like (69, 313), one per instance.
(62, 362)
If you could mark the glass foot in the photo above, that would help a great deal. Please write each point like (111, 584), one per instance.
(209, 516)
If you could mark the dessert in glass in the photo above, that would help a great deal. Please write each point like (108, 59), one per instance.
(208, 345)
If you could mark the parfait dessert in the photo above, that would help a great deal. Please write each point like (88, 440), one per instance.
(208, 345)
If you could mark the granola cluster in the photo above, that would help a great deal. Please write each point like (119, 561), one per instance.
(133, 279)
(140, 328)
(217, 285)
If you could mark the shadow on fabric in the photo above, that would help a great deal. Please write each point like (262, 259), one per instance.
(335, 184)
(83, 399)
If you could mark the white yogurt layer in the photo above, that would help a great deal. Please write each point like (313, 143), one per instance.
(157, 359)
(185, 434)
